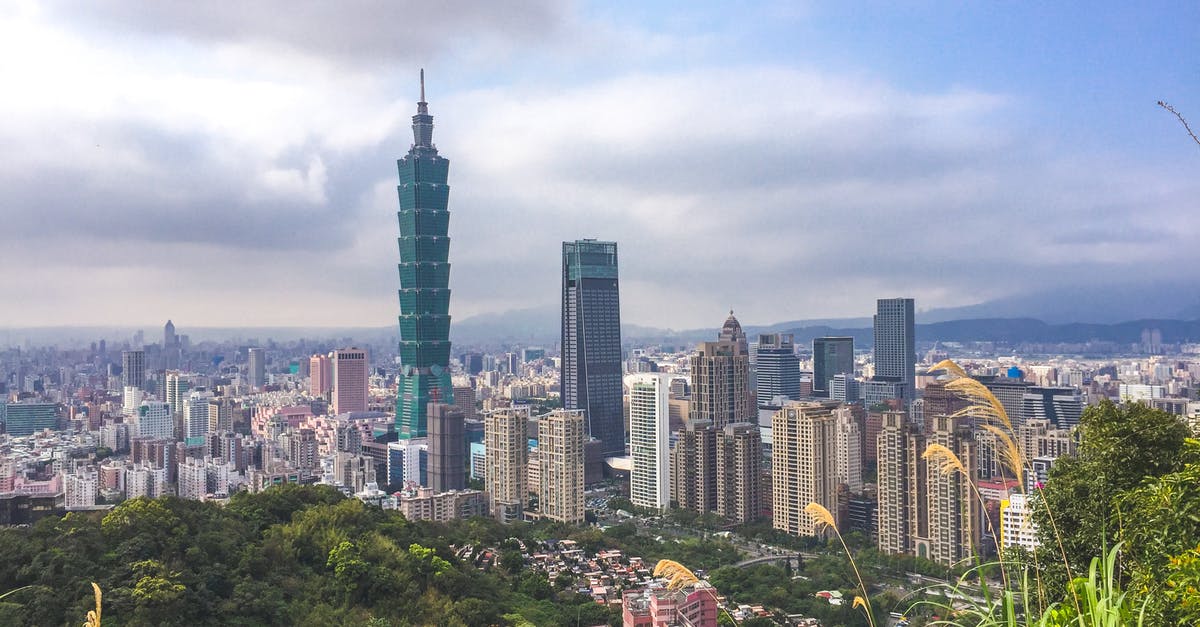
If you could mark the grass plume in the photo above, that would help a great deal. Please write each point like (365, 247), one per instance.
(825, 519)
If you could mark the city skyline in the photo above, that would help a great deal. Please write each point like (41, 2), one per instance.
(207, 148)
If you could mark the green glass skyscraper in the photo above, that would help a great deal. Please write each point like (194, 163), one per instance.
(424, 278)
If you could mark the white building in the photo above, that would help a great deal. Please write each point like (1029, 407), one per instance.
(1016, 523)
(154, 420)
(142, 480)
(131, 399)
(195, 414)
(79, 490)
(649, 439)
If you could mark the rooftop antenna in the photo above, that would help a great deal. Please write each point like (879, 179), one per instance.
(422, 84)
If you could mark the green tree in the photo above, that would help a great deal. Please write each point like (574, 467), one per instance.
(1080, 508)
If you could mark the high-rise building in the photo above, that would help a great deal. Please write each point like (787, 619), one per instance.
(693, 478)
(720, 379)
(220, 415)
(256, 368)
(778, 369)
(424, 276)
(464, 400)
(895, 344)
(803, 464)
(954, 516)
(1011, 393)
(849, 449)
(560, 465)
(349, 372)
(831, 356)
(739, 462)
(844, 388)
(154, 420)
(177, 388)
(590, 373)
(649, 446)
(303, 449)
(901, 514)
(1063, 407)
(447, 447)
(320, 376)
(133, 368)
(171, 348)
(195, 415)
(506, 453)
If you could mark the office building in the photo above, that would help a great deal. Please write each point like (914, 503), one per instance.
(195, 415)
(133, 368)
(320, 376)
(693, 467)
(831, 356)
(803, 464)
(1011, 394)
(447, 447)
(739, 462)
(424, 276)
(29, 418)
(778, 369)
(464, 400)
(895, 345)
(844, 388)
(590, 371)
(1063, 407)
(177, 387)
(720, 379)
(350, 370)
(506, 455)
(561, 435)
(407, 463)
(649, 446)
(154, 420)
(256, 368)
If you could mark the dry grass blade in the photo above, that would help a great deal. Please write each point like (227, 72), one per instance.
(93, 616)
(676, 574)
(1011, 453)
(821, 515)
(949, 366)
(945, 459)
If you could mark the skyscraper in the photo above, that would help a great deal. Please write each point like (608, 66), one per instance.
(506, 450)
(831, 356)
(133, 368)
(803, 464)
(895, 345)
(349, 367)
(177, 387)
(560, 465)
(649, 417)
(447, 447)
(721, 379)
(739, 468)
(591, 340)
(424, 276)
(902, 484)
(256, 368)
(320, 376)
(778, 368)
(171, 352)
(693, 480)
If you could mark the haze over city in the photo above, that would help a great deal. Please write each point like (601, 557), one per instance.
(794, 160)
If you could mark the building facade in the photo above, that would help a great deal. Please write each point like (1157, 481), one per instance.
(649, 435)
(778, 369)
(803, 464)
(424, 276)
(739, 461)
(590, 370)
(560, 465)
(349, 368)
(506, 455)
(895, 344)
(831, 356)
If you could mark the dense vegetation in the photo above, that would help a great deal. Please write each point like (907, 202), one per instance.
(292, 555)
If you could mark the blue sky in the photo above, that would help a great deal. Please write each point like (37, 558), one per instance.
(234, 164)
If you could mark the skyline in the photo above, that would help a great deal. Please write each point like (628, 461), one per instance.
(226, 169)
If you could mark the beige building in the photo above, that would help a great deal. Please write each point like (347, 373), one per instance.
(803, 464)
(849, 449)
(560, 465)
(954, 514)
(901, 483)
(739, 472)
(442, 507)
(693, 467)
(506, 457)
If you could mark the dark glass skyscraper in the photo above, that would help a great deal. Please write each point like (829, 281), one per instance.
(778, 368)
(591, 340)
(831, 356)
(895, 344)
(424, 277)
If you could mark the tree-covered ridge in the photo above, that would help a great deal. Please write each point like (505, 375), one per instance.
(287, 556)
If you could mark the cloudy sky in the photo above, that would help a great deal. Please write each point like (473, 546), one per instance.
(233, 164)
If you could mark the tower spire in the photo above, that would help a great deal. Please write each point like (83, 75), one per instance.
(422, 121)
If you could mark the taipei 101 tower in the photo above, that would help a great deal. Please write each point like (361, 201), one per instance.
(424, 278)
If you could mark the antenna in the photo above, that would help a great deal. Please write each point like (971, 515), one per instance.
(422, 84)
